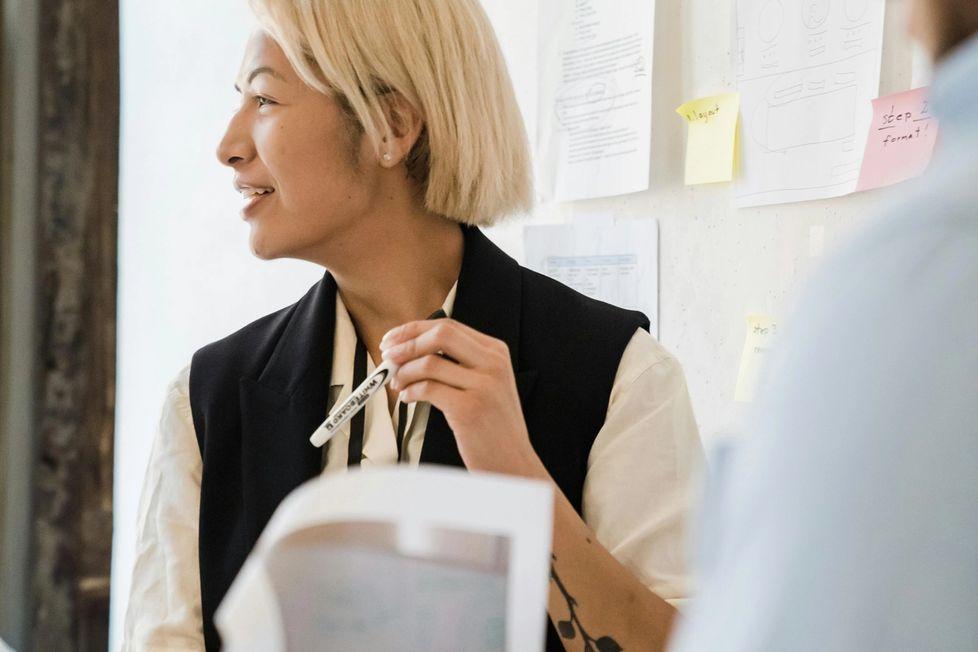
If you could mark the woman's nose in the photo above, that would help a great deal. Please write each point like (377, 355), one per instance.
(235, 145)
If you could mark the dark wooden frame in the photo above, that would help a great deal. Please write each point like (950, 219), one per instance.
(76, 267)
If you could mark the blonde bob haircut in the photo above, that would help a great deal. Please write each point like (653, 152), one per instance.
(471, 161)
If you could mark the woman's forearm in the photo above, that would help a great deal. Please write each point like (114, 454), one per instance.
(596, 603)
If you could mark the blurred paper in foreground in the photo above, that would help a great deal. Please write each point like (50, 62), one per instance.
(400, 558)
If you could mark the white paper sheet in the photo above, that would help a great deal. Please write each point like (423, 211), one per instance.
(397, 558)
(595, 97)
(614, 260)
(807, 71)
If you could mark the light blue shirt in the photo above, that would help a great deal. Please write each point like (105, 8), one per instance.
(847, 517)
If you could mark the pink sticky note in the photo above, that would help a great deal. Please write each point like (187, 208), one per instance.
(901, 139)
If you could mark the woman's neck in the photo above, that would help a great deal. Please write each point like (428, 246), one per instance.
(397, 270)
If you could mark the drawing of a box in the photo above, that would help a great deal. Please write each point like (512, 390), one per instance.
(812, 120)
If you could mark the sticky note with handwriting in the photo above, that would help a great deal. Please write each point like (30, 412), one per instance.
(761, 330)
(901, 139)
(711, 144)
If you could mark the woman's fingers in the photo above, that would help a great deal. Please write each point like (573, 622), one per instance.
(420, 338)
(442, 396)
(433, 367)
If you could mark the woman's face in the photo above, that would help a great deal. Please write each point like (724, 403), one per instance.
(294, 141)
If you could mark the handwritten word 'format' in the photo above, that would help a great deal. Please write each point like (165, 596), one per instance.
(901, 139)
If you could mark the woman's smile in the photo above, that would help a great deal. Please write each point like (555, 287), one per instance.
(252, 201)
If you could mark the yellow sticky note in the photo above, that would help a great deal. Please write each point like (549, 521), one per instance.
(761, 330)
(711, 145)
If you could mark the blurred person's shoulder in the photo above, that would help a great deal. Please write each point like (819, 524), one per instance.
(933, 213)
(897, 295)
(920, 240)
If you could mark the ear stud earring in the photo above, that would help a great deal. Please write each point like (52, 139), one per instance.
(387, 157)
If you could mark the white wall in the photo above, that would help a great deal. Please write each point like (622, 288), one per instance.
(187, 277)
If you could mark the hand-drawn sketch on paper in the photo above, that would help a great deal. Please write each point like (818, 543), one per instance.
(807, 71)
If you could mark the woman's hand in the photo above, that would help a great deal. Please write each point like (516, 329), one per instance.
(472, 384)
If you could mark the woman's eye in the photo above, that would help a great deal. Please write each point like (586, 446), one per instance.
(263, 101)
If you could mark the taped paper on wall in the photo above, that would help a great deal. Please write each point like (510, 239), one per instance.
(595, 97)
(615, 261)
(806, 70)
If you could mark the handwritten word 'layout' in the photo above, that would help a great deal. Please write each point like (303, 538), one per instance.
(711, 142)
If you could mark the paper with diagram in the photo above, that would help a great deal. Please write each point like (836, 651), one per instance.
(807, 71)
(595, 97)
(613, 260)
(410, 559)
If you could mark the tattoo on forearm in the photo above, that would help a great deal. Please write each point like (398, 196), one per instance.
(567, 627)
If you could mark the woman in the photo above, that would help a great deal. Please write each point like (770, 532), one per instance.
(374, 139)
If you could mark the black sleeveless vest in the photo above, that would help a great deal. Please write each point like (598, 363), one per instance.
(258, 394)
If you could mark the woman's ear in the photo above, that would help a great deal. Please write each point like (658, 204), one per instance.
(405, 122)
